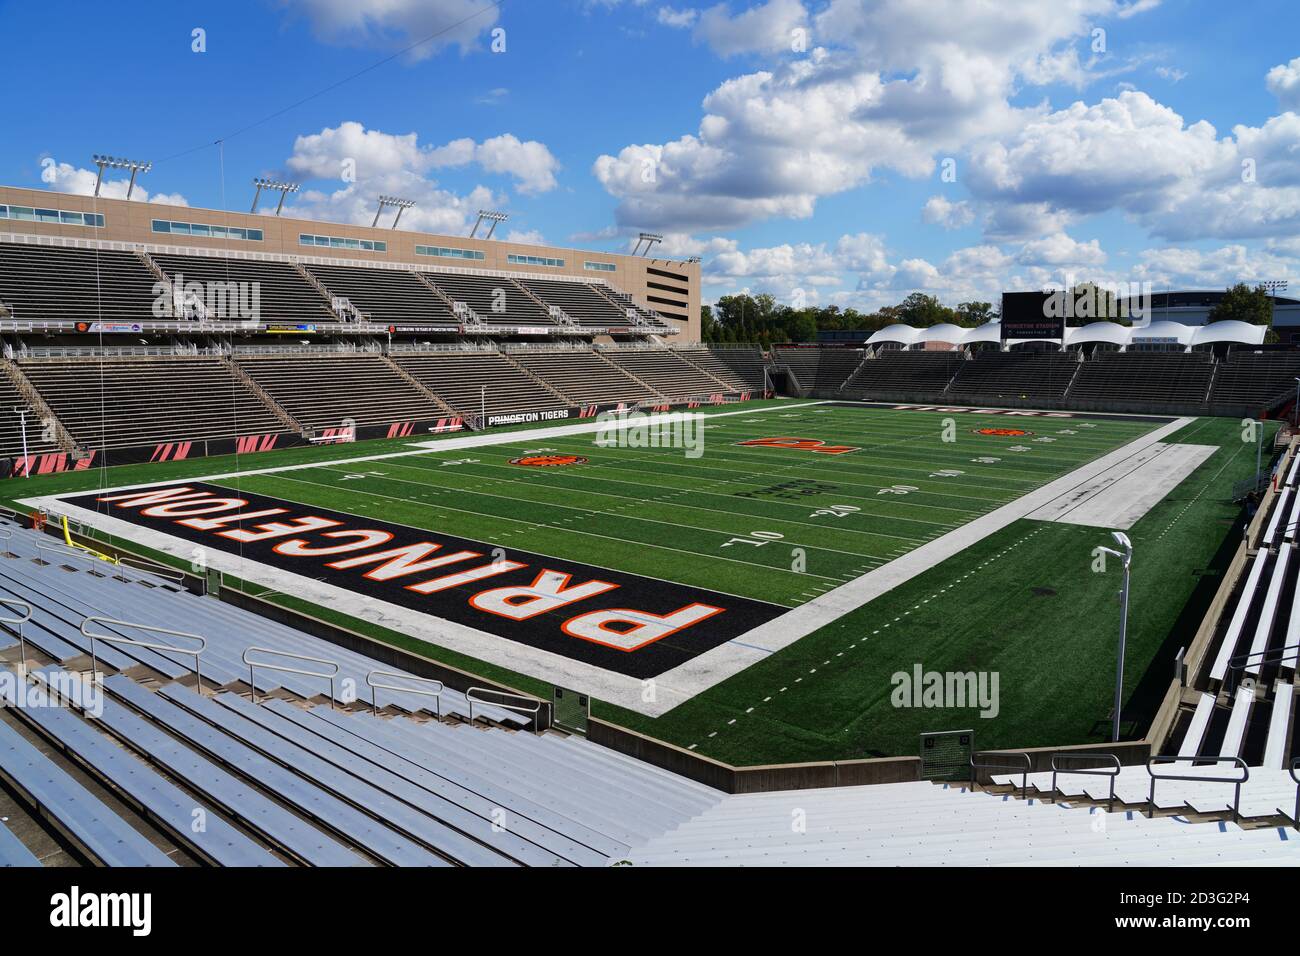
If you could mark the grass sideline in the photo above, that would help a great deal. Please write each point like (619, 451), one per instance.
(975, 611)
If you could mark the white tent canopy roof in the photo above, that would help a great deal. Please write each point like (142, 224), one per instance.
(1111, 332)
(898, 332)
(988, 332)
(943, 332)
(1229, 330)
(1158, 331)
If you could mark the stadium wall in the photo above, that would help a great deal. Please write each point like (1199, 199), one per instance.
(669, 286)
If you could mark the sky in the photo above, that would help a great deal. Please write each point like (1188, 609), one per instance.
(844, 152)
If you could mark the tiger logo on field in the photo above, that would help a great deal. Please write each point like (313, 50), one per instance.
(548, 461)
(1002, 432)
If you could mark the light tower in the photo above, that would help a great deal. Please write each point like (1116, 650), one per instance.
(397, 203)
(485, 215)
(284, 188)
(116, 162)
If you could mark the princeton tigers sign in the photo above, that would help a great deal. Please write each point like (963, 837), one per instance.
(622, 622)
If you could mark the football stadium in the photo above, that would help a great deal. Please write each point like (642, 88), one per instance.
(375, 545)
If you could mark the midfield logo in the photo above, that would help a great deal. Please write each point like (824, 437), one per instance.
(623, 622)
(801, 444)
(1002, 432)
(548, 461)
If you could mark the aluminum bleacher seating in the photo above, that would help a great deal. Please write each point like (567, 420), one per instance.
(896, 370)
(1016, 375)
(1154, 377)
(386, 296)
(324, 389)
(1255, 378)
(90, 825)
(1278, 747)
(478, 382)
(54, 283)
(921, 824)
(1245, 601)
(747, 362)
(282, 294)
(819, 369)
(578, 300)
(119, 402)
(497, 300)
(583, 377)
(13, 853)
(665, 371)
(165, 803)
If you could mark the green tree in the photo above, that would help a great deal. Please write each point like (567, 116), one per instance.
(1244, 304)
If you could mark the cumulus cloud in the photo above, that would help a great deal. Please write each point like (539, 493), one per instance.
(349, 151)
(766, 28)
(399, 23)
(894, 86)
(940, 211)
(1283, 81)
(678, 19)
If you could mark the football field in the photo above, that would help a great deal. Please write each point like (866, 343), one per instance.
(751, 561)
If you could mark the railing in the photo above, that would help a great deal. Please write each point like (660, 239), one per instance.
(1242, 662)
(523, 708)
(26, 610)
(373, 684)
(42, 548)
(152, 567)
(1170, 758)
(1111, 771)
(331, 676)
(975, 766)
(151, 645)
(1295, 765)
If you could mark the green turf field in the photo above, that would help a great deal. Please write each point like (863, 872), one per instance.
(786, 525)
(658, 513)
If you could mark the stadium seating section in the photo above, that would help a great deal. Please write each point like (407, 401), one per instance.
(898, 371)
(818, 368)
(1155, 377)
(584, 377)
(324, 390)
(1255, 378)
(44, 283)
(1016, 375)
(387, 296)
(665, 371)
(478, 382)
(283, 294)
(126, 402)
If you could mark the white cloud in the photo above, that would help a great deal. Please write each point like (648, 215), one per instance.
(938, 210)
(351, 150)
(1173, 74)
(399, 23)
(766, 28)
(678, 19)
(1283, 81)
(66, 178)
(1061, 250)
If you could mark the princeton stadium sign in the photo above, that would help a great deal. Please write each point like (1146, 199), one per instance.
(621, 622)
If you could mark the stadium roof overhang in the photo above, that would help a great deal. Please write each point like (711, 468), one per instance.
(898, 332)
(1229, 330)
(943, 332)
(988, 332)
(1109, 332)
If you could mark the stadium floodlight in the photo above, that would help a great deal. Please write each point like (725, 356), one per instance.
(397, 203)
(284, 188)
(116, 162)
(486, 215)
(649, 238)
(693, 260)
(1127, 557)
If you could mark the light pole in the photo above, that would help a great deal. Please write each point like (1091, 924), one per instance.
(22, 419)
(1295, 412)
(1127, 557)
(482, 406)
(1259, 451)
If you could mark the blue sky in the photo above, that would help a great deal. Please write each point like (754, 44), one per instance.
(798, 146)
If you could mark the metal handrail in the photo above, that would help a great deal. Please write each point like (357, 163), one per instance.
(1092, 772)
(331, 676)
(1024, 774)
(152, 567)
(152, 645)
(42, 547)
(1267, 656)
(435, 694)
(1295, 765)
(20, 621)
(1172, 758)
(534, 710)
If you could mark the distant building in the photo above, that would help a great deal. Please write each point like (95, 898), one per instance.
(1192, 307)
